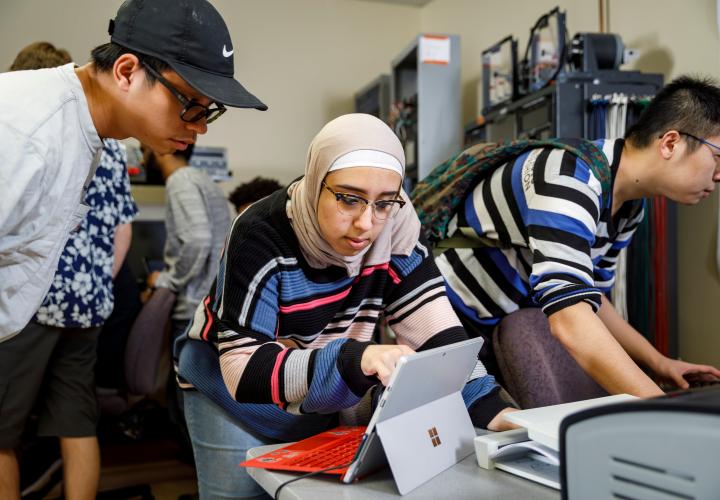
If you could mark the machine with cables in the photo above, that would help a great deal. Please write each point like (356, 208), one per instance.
(575, 87)
(551, 91)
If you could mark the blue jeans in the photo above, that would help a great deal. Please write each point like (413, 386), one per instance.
(219, 444)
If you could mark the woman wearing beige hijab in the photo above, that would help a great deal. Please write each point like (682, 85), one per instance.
(282, 347)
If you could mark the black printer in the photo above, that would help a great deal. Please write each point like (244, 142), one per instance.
(661, 448)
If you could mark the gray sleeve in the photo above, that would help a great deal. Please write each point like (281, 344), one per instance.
(186, 206)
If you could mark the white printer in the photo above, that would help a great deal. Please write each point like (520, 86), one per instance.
(661, 448)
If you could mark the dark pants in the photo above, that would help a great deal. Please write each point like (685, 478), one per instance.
(50, 370)
(110, 369)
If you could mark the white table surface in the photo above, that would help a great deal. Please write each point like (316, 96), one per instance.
(464, 480)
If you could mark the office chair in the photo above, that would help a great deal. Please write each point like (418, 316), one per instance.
(143, 350)
(129, 470)
(135, 465)
(536, 368)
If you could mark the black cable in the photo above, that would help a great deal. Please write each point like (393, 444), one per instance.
(542, 22)
(562, 60)
(309, 474)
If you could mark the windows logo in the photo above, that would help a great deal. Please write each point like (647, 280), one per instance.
(434, 437)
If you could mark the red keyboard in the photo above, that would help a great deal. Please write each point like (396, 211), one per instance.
(328, 449)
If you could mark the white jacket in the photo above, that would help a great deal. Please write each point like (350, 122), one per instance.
(48, 146)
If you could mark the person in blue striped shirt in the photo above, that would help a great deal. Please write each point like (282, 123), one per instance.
(565, 235)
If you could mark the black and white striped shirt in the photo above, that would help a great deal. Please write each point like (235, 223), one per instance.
(557, 242)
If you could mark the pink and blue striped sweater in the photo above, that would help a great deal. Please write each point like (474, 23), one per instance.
(287, 339)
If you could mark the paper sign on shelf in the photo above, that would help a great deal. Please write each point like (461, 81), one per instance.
(434, 49)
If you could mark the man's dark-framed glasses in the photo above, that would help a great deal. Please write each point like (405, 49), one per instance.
(353, 205)
(192, 110)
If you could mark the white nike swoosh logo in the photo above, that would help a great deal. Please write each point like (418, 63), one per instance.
(226, 52)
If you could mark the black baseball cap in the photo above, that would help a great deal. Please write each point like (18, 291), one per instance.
(192, 38)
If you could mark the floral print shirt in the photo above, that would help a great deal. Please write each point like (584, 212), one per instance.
(81, 294)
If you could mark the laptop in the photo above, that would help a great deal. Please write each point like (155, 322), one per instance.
(420, 425)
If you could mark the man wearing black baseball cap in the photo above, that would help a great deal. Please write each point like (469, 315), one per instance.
(165, 75)
(191, 38)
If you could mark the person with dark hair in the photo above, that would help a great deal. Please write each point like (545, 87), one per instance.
(67, 324)
(249, 192)
(197, 217)
(690, 107)
(549, 223)
(165, 75)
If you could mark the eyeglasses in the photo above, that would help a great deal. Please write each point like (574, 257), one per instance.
(715, 150)
(353, 205)
(702, 141)
(192, 110)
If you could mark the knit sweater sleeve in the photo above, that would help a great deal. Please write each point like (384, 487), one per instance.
(421, 316)
(256, 366)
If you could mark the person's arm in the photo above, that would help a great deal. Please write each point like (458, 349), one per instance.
(589, 342)
(604, 271)
(185, 204)
(666, 369)
(123, 238)
(256, 366)
(565, 203)
(421, 316)
(630, 339)
(114, 158)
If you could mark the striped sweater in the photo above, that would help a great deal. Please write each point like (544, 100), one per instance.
(564, 240)
(289, 338)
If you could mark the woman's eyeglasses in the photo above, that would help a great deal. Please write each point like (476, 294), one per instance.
(192, 110)
(353, 205)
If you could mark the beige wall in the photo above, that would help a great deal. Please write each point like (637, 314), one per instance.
(675, 38)
(481, 23)
(304, 58)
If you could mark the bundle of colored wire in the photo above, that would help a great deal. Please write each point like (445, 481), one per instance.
(615, 124)
(596, 125)
(639, 276)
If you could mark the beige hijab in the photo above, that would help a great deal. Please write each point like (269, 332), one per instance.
(343, 135)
